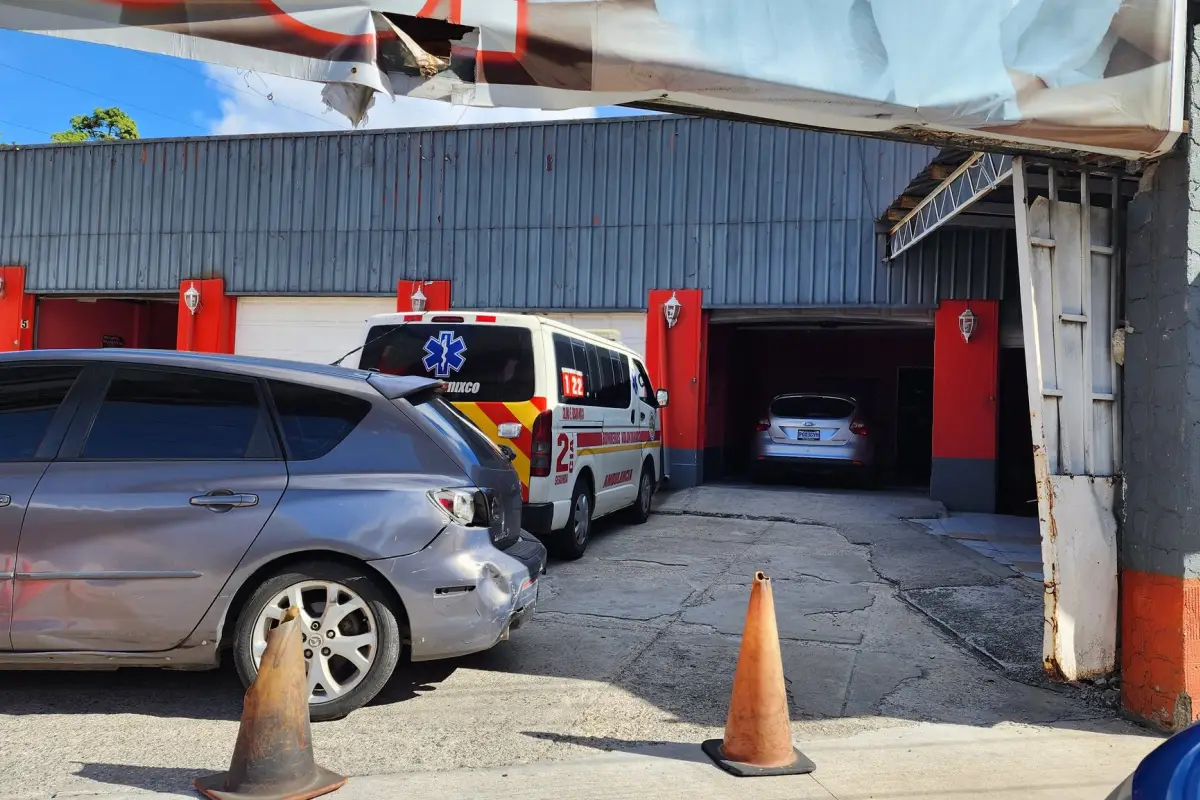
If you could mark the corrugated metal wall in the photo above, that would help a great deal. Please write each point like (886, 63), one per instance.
(572, 215)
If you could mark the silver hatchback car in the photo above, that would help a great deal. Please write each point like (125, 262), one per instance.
(815, 432)
(160, 509)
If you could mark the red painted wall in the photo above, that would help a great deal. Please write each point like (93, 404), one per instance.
(211, 329)
(718, 340)
(682, 372)
(437, 295)
(16, 311)
(965, 381)
(64, 323)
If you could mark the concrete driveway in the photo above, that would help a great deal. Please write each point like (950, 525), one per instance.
(628, 665)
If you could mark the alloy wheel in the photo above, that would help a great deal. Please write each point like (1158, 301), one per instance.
(582, 518)
(340, 635)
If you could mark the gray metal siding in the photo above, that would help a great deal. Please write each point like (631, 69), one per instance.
(571, 215)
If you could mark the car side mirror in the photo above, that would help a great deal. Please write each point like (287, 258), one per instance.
(662, 397)
(507, 452)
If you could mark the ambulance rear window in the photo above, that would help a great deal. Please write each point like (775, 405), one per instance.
(480, 363)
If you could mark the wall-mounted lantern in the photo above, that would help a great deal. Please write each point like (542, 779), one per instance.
(966, 324)
(672, 309)
(419, 299)
(191, 299)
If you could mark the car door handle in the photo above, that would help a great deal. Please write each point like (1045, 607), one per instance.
(632, 414)
(224, 500)
(5, 501)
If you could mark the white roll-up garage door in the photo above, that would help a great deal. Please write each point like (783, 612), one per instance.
(313, 329)
(321, 329)
(630, 327)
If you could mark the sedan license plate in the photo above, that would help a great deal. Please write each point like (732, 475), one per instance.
(808, 435)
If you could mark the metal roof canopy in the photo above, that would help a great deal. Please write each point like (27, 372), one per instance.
(975, 178)
(950, 192)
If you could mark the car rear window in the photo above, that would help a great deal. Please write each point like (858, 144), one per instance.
(314, 420)
(469, 443)
(479, 363)
(29, 398)
(812, 407)
(161, 414)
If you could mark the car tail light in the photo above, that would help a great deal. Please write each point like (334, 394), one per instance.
(858, 427)
(468, 507)
(539, 454)
(762, 425)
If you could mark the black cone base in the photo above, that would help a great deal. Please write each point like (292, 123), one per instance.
(801, 764)
(323, 782)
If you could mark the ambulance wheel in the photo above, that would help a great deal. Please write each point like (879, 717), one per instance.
(571, 542)
(639, 512)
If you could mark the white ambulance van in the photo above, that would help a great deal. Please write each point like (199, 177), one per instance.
(573, 410)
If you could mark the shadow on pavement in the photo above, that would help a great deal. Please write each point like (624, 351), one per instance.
(152, 779)
(675, 751)
(212, 695)
(413, 680)
(215, 695)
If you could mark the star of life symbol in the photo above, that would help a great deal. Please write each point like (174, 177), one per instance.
(444, 354)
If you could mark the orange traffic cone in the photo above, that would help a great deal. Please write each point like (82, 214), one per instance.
(758, 734)
(273, 758)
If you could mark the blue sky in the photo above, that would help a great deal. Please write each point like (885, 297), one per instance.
(45, 81)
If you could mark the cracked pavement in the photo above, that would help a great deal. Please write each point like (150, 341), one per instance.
(631, 657)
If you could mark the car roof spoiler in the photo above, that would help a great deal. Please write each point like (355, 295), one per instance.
(407, 387)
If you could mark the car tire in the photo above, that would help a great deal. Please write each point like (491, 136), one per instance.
(356, 587)
(571, 542)
(639, 512)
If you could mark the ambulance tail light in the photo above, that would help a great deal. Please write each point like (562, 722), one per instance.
(539, 454)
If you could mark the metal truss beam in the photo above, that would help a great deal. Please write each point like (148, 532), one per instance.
(979, 175)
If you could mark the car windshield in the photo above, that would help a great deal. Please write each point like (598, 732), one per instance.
(479, 363)
(812, 407)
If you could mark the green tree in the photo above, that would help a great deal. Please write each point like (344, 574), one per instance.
(103, 124)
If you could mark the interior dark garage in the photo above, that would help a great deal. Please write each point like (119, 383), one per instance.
(62, 323)
(885, 365)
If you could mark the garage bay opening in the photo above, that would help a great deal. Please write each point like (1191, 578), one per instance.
(69, 323)
(842, 395)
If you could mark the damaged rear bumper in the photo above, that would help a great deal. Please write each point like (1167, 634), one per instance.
(462, 595)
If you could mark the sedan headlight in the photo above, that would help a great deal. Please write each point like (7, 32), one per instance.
(468, 507)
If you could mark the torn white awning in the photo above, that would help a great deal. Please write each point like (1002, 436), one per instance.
(1098, 76)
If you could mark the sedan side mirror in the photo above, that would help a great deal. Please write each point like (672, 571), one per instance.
(507, 452)
(662, 397)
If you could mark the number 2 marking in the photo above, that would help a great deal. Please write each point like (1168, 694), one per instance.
(564, 442)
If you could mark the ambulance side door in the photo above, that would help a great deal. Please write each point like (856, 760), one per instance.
(649, 416)
(621, 462)
(579, 427)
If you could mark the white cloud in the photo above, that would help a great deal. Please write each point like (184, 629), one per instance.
(252, 102)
